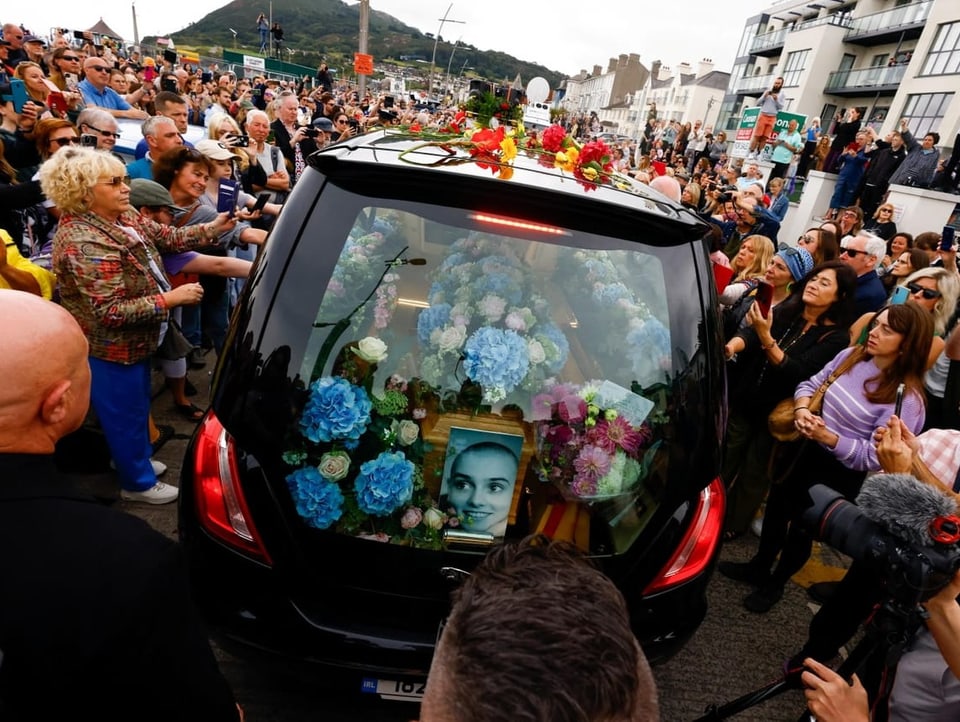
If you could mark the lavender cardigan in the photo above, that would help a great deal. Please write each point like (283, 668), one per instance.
(854, 419)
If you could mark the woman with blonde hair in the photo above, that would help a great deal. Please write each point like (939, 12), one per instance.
(881, 224)
(35, 81)
(107, 260)
(749, 267)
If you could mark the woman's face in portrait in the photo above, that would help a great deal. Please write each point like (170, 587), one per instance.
(821, 290)
(902, 266)
(480, 488)
(883, 341)
(744, 256)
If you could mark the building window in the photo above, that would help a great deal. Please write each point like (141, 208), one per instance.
(924, 112)
(794, 67)
(944, 55)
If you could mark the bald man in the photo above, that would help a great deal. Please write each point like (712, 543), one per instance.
(95, 613)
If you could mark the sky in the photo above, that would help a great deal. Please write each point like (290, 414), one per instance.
(542, 31)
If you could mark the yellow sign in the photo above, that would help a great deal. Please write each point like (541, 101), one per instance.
(362, 64)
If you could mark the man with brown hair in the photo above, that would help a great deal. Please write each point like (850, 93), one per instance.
(538, 634)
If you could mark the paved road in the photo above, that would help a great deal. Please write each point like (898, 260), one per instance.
(734, 651)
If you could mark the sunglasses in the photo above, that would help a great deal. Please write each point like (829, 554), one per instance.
(65, 141)
(886, 210)
(928, 293)
(71, 58)
(806, 238)
(852, 252)
(104, 133)
(115, 181)
(99, 68)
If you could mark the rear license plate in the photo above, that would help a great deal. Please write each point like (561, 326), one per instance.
(394, 689)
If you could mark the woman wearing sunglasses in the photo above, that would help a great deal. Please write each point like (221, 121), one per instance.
(907, 262)
(821, 243)
(882, 223)
(773, 355)
(107, 261)
(935, 290)
(836, 447)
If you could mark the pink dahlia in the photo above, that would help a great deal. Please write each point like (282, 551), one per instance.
(593, 462)
(619, 432)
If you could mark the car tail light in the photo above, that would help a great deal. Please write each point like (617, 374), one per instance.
(221, 507)
(699, 543)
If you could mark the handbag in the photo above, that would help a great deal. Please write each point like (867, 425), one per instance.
(174, 344)
(780, 422)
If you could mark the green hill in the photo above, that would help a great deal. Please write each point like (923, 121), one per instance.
(328, 30)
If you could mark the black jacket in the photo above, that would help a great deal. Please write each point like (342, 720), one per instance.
(282, 140)
(884, 160)
(96, 617)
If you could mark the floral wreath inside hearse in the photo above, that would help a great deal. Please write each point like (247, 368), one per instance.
(481, 422)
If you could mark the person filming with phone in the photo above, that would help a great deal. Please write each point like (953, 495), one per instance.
(857, 389)
(774, 353)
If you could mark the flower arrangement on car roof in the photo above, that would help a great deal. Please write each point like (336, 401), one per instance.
(383, 498)
(496, 146)
(488, 320)
(486, 108)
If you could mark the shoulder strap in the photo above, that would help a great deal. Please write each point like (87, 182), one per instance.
(182, 220)
(817, 399)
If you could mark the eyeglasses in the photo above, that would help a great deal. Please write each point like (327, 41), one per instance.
(852, 252)
(849, 214)
(104, 133)
(342, 121)
(99, 68)
(806, 238)
(65, 141)
(928, 293)
(71, 58)
(115, 181)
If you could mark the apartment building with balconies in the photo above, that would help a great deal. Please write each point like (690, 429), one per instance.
(891, 59)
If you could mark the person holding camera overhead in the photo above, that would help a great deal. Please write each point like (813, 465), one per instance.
(836, 446)
(771, 102)
(296, 142)
(927, 681)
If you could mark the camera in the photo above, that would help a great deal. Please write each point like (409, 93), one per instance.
(169, 85)
(311, 132)
(88, 140)
(239, 140)
(908, 569)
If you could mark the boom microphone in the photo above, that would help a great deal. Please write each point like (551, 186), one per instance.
(904, 506)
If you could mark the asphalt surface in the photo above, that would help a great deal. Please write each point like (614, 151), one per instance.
(733, 652)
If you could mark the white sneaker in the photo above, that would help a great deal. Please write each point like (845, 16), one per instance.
(159, 468)
(159, 493)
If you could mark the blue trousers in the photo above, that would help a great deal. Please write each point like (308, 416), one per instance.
(120, 395)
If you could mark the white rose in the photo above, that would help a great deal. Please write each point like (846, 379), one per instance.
(433, 518)
(334, 465)
(452, 338)
(372, 350)
(407, 432)
(536, 352)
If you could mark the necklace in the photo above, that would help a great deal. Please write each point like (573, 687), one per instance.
(784, 344)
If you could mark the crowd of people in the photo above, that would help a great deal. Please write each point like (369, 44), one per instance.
(147, 268)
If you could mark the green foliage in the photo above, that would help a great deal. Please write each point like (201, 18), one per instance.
(328, 30)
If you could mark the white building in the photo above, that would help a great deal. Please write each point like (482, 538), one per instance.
(682, 94)
(892, 59)
(608, 93)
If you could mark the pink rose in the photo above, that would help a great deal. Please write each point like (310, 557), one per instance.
(411, 517)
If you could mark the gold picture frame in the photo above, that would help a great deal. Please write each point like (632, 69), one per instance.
(437, 430)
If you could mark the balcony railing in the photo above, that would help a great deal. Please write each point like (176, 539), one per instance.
(906, 16)
(753, 83)
(867, 79)
(840, 21)
(769, 41)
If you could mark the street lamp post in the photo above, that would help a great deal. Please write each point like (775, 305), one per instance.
(433, 60)
(451, 62)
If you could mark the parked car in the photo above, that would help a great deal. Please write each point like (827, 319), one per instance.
(443, 346)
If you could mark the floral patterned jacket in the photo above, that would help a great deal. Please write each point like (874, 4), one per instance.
(106, 283)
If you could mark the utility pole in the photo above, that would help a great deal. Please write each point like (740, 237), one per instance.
(364, 35)
(136, 33)
(433, 60)
(450, 63)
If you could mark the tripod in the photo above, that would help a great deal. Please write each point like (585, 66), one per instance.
(887, 634)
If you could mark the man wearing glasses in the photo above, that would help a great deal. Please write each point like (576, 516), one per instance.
(862, 252)
(97, 92)
(14, 35)
(98, 122)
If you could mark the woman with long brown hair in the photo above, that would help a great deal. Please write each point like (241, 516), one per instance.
(836, 446)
